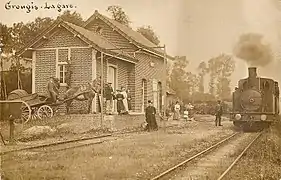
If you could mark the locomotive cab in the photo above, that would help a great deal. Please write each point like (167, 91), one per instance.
(255, 99)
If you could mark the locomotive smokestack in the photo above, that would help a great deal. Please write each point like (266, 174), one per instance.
(252, 72)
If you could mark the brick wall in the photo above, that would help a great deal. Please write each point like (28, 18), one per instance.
(45, 67)
(81, 62)
(136, 73)
(61, 38)
(129, 75)
(111, 35)
(81, 65)
(145, 71)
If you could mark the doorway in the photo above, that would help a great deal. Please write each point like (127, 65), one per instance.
(112, 78)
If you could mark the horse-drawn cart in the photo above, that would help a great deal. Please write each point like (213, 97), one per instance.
(38, 106)
(34, 105)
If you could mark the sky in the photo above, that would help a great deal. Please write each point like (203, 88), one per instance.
(160, 14)
(198, 29)
(212, 27)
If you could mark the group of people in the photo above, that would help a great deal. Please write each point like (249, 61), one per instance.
(187, 110)
(123, 97)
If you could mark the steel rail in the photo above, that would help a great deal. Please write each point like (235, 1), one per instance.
(193, 157)
(54, 144)
(71, 141)
(239, 157)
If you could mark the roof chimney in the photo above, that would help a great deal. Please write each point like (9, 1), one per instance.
(252, 72)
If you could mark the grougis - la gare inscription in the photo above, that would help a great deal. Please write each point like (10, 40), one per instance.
(32, 6)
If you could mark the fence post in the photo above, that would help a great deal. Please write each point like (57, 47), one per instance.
(12, 131)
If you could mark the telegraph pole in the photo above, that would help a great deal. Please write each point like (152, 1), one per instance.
(102, 90)
(165, 87)
(3, 87)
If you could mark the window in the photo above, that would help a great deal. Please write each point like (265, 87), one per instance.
(62, 70)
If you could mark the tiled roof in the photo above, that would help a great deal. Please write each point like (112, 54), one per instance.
(129, 32)
(97, 39)
(138, 37)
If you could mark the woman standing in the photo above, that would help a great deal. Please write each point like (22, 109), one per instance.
(120, 106)
(177, 111)
(125, 101)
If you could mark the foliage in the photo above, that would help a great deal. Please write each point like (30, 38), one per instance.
(119, 15)
(184, 83)
(11, 84)
(149, 34)
(74, 17)
(220, 69)
(15, 37)
(19, 34)
(203, 69)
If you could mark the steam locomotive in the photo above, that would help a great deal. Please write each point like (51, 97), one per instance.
(255, 101)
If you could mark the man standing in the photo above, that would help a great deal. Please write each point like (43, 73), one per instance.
(52, 87)
(218, 113)
(109, 98)
(150, 113)
(129, 99)
(97, 86)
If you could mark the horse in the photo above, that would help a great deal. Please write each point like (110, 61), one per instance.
(85, 92)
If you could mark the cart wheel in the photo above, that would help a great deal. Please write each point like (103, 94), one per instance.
(25, 115)
(45, 111)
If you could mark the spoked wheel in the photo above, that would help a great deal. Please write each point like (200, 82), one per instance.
(25, 115)
(45, 111)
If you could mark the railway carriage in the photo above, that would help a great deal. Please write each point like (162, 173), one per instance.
(255, 101)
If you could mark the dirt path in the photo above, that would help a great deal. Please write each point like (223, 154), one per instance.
(136, 156)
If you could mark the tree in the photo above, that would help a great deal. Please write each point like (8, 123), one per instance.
(178, 76)
(203, 69)
(212, 73)
(6, 38)
(74, 18)
(149, 34)
(220, 69)
(14, 38)
(119, 15)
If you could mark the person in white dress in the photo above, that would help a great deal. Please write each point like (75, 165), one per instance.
(125, 100)
(177, 111)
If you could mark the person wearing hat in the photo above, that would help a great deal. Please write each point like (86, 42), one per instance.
(219, 111)
(108, 94)
(53, 89)
(150, 118)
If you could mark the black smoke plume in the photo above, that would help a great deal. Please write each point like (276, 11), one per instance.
(251, 49)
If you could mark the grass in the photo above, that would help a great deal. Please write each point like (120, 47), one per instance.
(263, 159)
(133, 157)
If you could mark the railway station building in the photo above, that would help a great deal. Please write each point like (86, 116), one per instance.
(73, 54)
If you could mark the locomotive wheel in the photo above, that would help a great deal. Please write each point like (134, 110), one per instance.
(45, 111)
(25, 115)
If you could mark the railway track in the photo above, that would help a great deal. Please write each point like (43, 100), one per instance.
(74, 143)
(198, 164)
